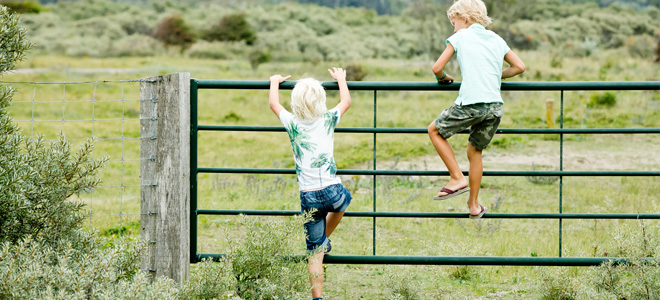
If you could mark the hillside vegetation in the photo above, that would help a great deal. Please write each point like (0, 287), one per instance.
(289, 31)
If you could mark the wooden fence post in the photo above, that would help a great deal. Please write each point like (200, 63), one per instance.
(165, 175)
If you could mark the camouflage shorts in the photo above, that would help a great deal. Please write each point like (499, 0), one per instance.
(482, 118)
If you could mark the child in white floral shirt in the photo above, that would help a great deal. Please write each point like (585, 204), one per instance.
(311, 129)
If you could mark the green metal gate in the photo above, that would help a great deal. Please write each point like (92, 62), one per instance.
(196, 84)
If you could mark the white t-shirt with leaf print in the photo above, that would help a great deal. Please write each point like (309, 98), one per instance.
(312, 143)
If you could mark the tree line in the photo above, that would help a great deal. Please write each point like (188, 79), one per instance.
(291, 31)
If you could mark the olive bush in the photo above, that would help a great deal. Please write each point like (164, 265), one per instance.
(80, 268)
(639, 278)
(36, 178)
(401, 286)
(259, 265)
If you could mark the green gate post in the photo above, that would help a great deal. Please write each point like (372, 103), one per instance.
(194, 123)
(561, 167)
(374, 180)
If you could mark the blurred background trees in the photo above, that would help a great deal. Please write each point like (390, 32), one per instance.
(318, 30)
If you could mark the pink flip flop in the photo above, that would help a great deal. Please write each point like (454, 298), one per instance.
(481, 214)
(451, 193)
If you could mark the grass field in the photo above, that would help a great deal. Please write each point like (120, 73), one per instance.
(116, 112)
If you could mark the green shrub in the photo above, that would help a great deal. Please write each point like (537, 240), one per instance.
(231, 28)
(638, 279)
(13, 44)
(640, 46)
(259, 265)
(136, 21)
(209, 280)
(77, 268)
(85, 9)
(556, 61)
(355, 73)
(37, 179)
(584, 48)
(173, 31)
(137, 45)
(401, 286)
(518, 40)
(607, 99)
(557, 284)
(462, 273)
(257, 57)
(23, 7)
(544, 180)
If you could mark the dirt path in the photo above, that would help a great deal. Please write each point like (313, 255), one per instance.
(608, 152)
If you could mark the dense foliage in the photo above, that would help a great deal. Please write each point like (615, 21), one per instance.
(23, 7)
(232, 28)
(36, 179)
(637, 279)
(173, 31)
(292, 32)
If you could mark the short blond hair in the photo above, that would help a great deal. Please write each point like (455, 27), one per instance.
(472, 10)
(308, 99)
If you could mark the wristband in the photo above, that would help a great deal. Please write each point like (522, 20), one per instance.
(441, 78)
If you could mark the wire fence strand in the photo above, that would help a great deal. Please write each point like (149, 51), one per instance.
(91, 116)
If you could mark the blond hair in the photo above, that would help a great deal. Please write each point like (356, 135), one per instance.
(308, 99)
(474, 11)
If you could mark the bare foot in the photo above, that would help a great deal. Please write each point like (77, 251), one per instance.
(454, 185)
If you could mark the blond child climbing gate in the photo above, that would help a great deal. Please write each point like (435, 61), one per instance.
(480, 54)
(311, 129)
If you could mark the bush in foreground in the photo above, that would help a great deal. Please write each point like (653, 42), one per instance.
(637, 279)
(46, 254)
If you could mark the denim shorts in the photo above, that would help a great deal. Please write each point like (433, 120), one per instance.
(333, 198)
(482, 118)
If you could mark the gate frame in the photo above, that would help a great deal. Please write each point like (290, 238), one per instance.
(169, 130)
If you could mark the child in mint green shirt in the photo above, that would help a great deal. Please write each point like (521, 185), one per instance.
(480, 53)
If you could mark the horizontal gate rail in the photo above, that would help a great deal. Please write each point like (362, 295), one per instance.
(424, 130)
(456, 260)
(434, 173)
(434, 86)
(434, 215)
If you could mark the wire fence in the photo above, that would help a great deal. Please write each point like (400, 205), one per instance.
(108, 112)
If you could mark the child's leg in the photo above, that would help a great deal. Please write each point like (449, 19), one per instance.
(476, 171)
(315, 268)
(336, 207)
(480, 136)
(331, 222)
(457, 180)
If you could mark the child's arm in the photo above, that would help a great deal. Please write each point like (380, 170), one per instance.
(274, 94)
(516, 65)
(441, 63)
(339, 74)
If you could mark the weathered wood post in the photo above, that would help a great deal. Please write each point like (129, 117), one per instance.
(165, 174)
